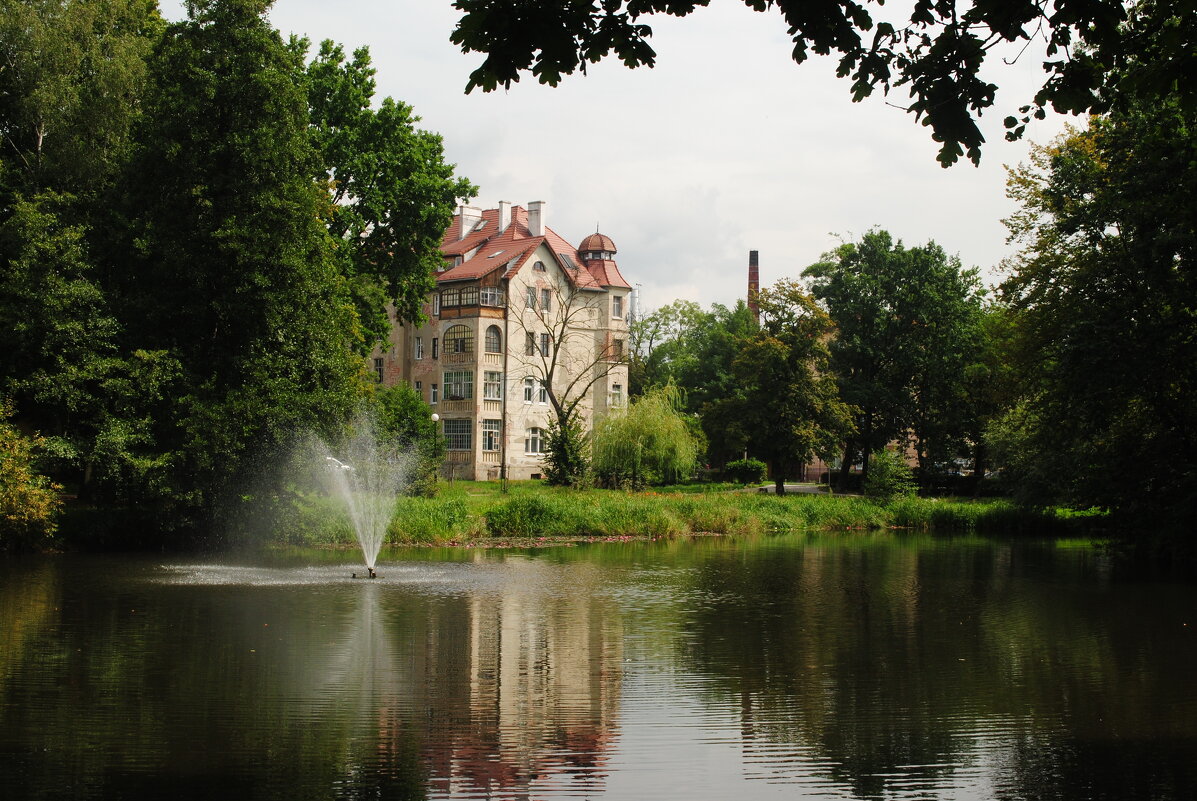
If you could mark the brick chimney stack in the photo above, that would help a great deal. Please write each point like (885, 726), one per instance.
(754, 284)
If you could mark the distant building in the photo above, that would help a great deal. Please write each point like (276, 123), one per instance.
(513, 299)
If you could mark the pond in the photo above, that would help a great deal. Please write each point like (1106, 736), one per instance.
(855, 666)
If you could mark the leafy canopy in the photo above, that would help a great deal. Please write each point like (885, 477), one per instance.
(938, 51)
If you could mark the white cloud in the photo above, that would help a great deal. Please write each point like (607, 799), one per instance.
(725, 147)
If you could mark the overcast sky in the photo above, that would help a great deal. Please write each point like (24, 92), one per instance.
(725, 146)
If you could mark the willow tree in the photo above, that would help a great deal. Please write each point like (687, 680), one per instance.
(647, 443)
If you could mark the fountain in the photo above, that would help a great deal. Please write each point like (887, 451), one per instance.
(366, 475)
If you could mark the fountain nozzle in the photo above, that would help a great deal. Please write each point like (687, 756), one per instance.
(371, 572)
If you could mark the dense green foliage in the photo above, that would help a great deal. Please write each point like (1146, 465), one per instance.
(28, 500)
(646, 443)
(1104, 303)
(746, 471)
(937, 51)
(404, 417)
(694, 349)
(185, 286)
(786, 403)
(908, 329)
(890, 477)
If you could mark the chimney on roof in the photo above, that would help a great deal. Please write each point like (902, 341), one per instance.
(537, 218)
(504, 215)
(754, 284)
(470, 216)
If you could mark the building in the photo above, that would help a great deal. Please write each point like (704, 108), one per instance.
(517, 310)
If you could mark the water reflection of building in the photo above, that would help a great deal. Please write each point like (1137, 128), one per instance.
(520, 688)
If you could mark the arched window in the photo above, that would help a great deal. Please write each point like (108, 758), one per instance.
(458, 339)
(494, 340)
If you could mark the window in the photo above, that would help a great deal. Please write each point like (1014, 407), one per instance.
(546, 300)
(459, 385)
(420, 389)
(378, 370)
(545, 343)
(492, 296)
(491, 430)
(450, 298)
(457, 435)
(617, 306)
(469, 296)
(538, 267)
(530, 345)
(542, 396)
(616, 350)
(432, 395)
(530, 299)
(534, 440)
(436, 303)
(436, 348)
(492, 385)
(616, 395)
(459, 339)
(529, 388)
(419, 348)
(494, 340)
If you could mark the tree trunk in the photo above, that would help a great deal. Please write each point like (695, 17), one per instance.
(779, 476)
(845, 468)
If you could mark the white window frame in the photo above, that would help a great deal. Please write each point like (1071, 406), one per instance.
(616, 398)
(546, 300)
(492, 430)
(432, 395)
(542, 396)
(458, 384)
(529, 389)
(419, 348)
(492, 385)
(546, 344)
(534, 440)
(617, 306)
(436, 303)
(530, 298)
(492, 340)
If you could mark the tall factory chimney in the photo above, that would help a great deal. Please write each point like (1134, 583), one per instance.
(754, 284)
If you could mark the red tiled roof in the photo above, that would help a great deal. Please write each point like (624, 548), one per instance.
(597, 241)
(512, 247)
(606, 273)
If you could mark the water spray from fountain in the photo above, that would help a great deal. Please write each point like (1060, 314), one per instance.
(366, 473)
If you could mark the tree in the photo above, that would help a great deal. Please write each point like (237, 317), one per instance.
(648, 443)
(907, 328)
(1104, 297)
(234, 275)
(72, 74)
(659, 341)
(938, 52)
(29, 501)
(404, 417)
(392, 193)
(566, 355)
(787, 405)
(71, 83)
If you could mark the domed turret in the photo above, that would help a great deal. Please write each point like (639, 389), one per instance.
(597, 246)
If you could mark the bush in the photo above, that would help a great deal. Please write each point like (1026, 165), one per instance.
(888, 477)
(29, 502)
(745, 471)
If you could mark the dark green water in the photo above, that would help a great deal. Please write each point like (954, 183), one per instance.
(838, 667)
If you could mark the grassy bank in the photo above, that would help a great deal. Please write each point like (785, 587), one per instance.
(477, 511)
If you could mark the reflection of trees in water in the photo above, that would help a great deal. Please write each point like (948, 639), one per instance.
(900, 666)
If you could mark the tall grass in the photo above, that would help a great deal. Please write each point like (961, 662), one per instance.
(469, 510)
